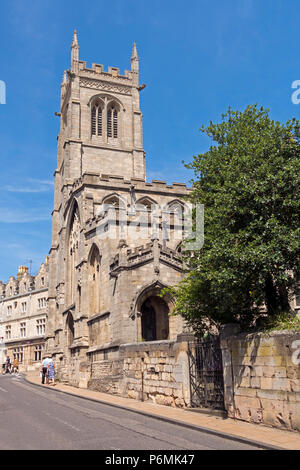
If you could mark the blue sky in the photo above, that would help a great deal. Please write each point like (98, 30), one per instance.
(197, 57)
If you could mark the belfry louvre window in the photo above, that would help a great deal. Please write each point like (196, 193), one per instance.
(115, 124)
(94, 113)
(99, 121)
(112, 123)
(109, 127)
(96, 122)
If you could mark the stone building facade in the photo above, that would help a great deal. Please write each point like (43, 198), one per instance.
(23, 317)
(115, 236)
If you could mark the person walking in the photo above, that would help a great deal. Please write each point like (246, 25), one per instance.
(8, 368)
(51, 372)
(15, 367)
(45, 363)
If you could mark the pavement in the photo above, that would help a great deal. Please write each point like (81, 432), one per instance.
(255, 434)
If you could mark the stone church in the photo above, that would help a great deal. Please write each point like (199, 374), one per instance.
(115, 236)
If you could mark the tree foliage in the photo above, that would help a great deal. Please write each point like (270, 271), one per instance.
(249, 183)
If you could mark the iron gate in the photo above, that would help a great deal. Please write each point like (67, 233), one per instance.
(206, 374)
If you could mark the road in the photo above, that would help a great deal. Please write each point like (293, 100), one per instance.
(32, 418)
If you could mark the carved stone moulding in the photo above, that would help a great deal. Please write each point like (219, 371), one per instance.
(98, 85)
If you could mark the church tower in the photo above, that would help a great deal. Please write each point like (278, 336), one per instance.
(104, 290)
(101, 120)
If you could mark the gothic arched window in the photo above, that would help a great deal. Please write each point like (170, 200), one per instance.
(73, 251)
(113, 200)
(94, 281)
(112, 122)
(96, 121)
(176, 211)
(146, 203)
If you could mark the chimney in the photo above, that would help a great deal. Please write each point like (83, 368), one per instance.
(22, 270)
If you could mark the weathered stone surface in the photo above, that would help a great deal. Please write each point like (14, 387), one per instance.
(266, 379)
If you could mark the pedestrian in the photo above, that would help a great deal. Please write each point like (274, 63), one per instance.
(15, 366)
(51, 372)
(45, 363)
(8, 368)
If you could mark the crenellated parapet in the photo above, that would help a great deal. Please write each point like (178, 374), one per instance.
(140, 186)
(97, 77)
(144, 254)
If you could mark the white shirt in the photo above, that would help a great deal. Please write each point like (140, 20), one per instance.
(46, 361)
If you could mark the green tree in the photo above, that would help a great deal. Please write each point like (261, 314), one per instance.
(249, 183)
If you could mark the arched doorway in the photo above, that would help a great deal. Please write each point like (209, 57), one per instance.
(154, 319)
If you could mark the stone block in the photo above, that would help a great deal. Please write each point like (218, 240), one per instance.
(294, 385)
(293, 372)
(154, 377)
(274, 405)
(247, 402)
(293, 397)
(274, 419)
(163, 400)
(133, 394)
(270, 371)
(280, 373)
(162, 360)
(179, 402)
(281, 384)
(255, 382)
(295, 422)
(266, 383)
(272, 394)
(245, 382)
(243, 413)
(246, 392)
(165, 376)
(268, 361)
(263, 351)
(256, 415)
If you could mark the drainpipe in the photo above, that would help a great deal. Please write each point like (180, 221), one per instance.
(142, 370)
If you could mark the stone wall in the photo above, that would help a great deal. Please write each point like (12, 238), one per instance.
(107, 376)
(153, 371)
(157, 371)
(262, 378)
(72, 371)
